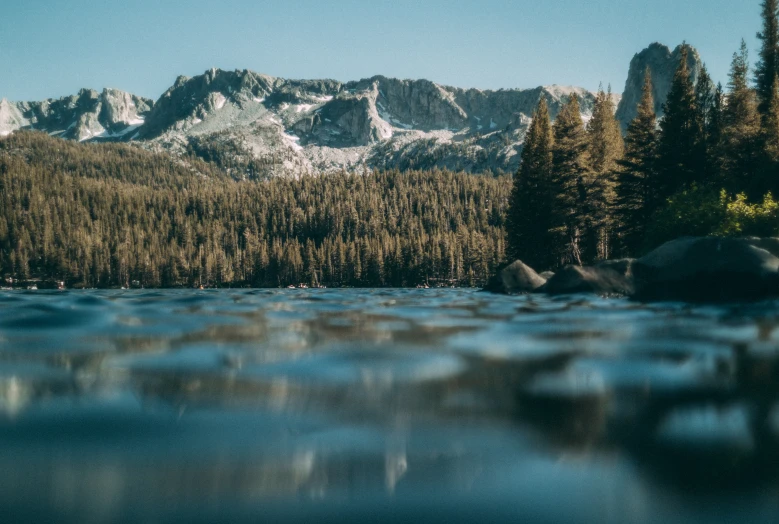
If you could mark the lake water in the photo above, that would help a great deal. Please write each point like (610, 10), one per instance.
(385, 406)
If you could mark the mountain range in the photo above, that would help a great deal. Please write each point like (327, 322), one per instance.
(259, 126)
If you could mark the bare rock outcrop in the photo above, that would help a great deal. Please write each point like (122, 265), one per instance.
(261, 126)
(89, 115)
(662, 63)
(356, 118)
(194, 98)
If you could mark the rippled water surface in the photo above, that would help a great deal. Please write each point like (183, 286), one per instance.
(385, 405)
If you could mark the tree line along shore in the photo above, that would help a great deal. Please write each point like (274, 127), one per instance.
(112, 215)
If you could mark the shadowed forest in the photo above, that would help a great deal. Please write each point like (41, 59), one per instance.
(708, 166)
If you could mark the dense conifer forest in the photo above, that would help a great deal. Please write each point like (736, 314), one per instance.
(113, 215)
(110, 215)
(709, 166)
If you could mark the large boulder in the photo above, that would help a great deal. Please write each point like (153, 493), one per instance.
(609, 278)
(623, 266)
(517, 277)
(709, 269)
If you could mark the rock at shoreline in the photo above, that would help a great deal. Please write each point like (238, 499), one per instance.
(623, 266)
(605, 279)
(517, 277)
(709, 269)
(692, 269)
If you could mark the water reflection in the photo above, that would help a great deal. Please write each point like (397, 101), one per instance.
(189, 406)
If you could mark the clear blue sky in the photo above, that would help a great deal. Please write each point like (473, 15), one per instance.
(51, 48)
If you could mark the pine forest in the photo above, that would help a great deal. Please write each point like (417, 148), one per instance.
(113, 215)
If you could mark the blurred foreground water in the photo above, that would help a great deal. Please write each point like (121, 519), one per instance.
(384, 406)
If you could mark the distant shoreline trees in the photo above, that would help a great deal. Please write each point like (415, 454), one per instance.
(113, 215)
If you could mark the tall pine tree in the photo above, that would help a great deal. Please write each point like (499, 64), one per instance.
(681, 158)
(706, 105)
(771, 126)
(766, 74)
(636, 196)
(572, 175)
(714, 130)
(530, 220)
(605, 149)
(605, 137)
(767, 66)
(770, 168)
(742, 134)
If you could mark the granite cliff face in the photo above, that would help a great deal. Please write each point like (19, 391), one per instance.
(286, 127)
(195, 98)
(662, 63)
(89, 115)
(11, 118)
(258, 126)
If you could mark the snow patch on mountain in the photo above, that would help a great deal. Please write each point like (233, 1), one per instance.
(292, 141)
(290, 127)
(89, 115)
(11, 118)
(559, 91)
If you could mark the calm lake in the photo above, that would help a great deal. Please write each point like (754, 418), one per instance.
(384, 406)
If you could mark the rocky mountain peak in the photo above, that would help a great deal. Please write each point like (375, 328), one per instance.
(11, 118)
(662, 63)
(120, 110)
(415, 104)
(88, 115)
(256, 125)
(292, 126)
(192, 99)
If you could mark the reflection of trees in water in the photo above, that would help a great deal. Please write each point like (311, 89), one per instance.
(373, 379)
(580, 418)
(749, 457)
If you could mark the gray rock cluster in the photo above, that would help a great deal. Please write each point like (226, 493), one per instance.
(517, 277)
(698, 269)
(604, 279)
